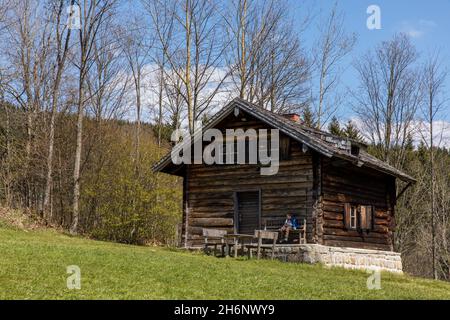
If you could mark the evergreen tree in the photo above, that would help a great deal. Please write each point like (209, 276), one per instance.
(352, 132)
(308, 117)
(409, 145)
(335, 128)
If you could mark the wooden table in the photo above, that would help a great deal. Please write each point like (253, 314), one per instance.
(237, 237)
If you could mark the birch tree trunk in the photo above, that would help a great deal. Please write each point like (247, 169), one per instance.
(94, 14)
(79, 145)
(61, 59)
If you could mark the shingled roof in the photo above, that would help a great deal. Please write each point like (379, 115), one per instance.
(322, 142)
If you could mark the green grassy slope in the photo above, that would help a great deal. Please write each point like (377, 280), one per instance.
(33, 266)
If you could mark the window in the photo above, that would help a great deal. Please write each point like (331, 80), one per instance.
(353, 217)
(358, 217)
(355, 150)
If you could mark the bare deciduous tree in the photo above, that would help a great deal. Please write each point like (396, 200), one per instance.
(332, 46)
(194, 55)
(94, 13)
(388, 96)
(27, 45)
(136, 45)
(61, 47)
(266, 60)
(4, 5)
(433, 81)
(163, 27)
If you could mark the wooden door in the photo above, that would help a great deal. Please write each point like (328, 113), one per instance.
(247, 211)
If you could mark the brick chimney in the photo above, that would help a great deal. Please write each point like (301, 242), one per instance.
(292, 116)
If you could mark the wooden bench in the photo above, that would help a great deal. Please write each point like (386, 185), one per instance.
(262, 235)
(214, 238)
(273, 224)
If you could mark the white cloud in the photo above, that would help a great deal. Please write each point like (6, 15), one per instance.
(420, 132)
(427, 23)
(150, 94)
(441, 133)
(414, 33)
(417, 29)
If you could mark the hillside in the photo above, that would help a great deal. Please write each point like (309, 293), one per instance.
(33, 266)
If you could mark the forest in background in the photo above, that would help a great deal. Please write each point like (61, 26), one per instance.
(85, 112)
(121, 199)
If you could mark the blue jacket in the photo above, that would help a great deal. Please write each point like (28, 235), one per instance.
(293, 221)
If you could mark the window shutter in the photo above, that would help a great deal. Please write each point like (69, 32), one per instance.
(285, 146)
(347, 209)
(363, 217)
(369, 219)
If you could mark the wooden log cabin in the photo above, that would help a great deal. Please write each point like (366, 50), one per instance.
(347, 196)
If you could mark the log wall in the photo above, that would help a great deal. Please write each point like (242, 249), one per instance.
(342, 183)
(308, 185)
(210, 189)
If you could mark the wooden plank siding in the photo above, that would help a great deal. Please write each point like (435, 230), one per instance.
(211, 188)
(343, 183)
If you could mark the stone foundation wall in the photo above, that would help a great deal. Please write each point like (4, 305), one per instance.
(350, 258)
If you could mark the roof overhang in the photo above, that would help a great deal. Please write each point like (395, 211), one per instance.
(289, 129)
(226, 111)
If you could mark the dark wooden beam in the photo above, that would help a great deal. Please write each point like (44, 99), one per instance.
(403, 191)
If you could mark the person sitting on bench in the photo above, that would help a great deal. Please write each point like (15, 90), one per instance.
(289, 224)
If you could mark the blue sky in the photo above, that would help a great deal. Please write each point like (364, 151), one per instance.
(427, 23)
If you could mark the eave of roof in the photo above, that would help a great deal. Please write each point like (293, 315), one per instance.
(299, 132)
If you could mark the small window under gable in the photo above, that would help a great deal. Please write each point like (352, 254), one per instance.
(355, 150)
